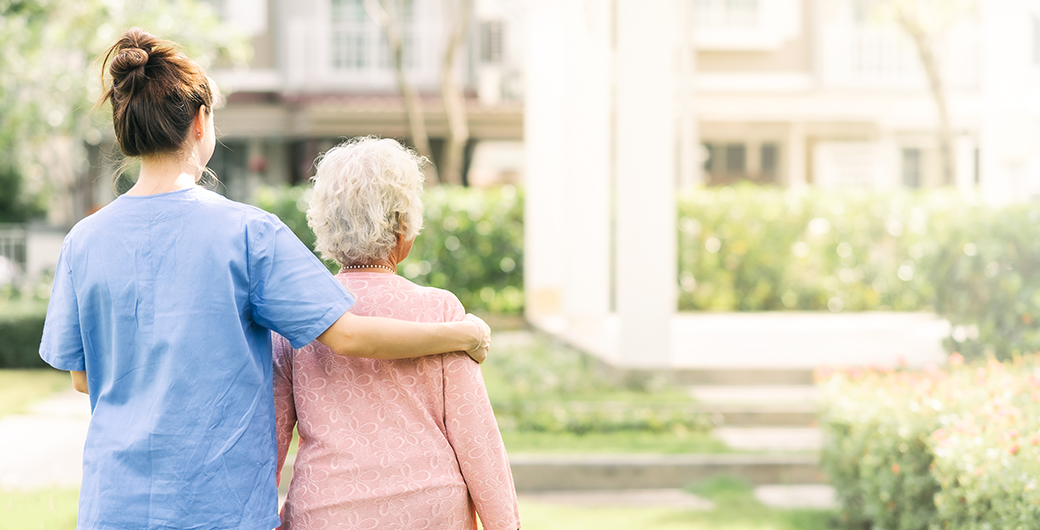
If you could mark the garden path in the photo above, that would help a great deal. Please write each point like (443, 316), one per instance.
(44, 447)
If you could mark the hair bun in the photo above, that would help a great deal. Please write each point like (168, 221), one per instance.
(129, 65)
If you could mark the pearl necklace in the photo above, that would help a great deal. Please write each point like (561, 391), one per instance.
(368, 267)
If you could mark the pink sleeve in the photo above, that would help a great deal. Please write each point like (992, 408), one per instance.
(284, 406)
(473, 434)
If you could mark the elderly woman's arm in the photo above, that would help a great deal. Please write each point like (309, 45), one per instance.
(473, 433)
(284, 402)
(385, 338)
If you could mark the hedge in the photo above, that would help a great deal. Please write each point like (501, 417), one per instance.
(760, 249)
(938, 449)
(471, 243)
(752, 248)
(21, 327)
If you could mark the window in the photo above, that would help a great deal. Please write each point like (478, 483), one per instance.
(769, 159)
(359, 44)
(727, 13)
(1036, 40)
(708, 156)
(735, 158)
(912, 168)
(491, 42)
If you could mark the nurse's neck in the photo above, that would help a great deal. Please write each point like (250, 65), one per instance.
(165, 173)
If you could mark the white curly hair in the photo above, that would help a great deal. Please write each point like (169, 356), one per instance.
(366, 191)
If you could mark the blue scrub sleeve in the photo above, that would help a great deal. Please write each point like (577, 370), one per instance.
(291, 291)
(62, 344)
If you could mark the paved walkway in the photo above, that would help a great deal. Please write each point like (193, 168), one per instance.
(44, 448)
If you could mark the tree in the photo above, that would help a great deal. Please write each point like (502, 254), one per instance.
(48, 85)
(458, 13)
(385, 14)
(924, 21)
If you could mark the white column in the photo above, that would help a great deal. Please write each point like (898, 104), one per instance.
(586, 165)
(795, 155)
(1007, 126)
(545, 104)
(689, 136)
(964, 150)
(645, 169)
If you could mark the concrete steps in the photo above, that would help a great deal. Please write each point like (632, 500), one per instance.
(646, 471)
(769, 417)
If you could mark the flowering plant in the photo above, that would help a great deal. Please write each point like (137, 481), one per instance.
(940, 448)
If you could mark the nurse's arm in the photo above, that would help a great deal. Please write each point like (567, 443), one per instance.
(79, 381)
(386, 338)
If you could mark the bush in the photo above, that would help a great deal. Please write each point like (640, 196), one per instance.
(763, 249)
(750, 248)
(957, 448)
(21, 328)
(760, 249)
(540, 386)
(471, 243)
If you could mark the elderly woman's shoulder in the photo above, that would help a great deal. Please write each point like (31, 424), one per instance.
(432, 297)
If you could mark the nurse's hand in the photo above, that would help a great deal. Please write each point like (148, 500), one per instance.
(484, 332)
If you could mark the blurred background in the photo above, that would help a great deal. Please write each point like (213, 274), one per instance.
(682, 216)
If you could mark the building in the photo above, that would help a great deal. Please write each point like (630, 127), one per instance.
(628, 100)
(321, 72)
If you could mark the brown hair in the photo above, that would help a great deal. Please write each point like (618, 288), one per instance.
(155, 93)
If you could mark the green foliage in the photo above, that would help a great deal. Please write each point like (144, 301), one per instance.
(16, 205)
(471, 243)
(957, 448)
(21, 327)
(760, 249)
(48, 86)
(614, 442)
(538, 386)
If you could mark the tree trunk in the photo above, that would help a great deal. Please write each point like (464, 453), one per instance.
(458, 11)
(931, 68)
(384, 13)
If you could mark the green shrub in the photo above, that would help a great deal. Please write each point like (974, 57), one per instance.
(21, 327)
(762, 249)
(750, 248)
(540, 386)
(957, 448)
(759, 249)
(471, 243)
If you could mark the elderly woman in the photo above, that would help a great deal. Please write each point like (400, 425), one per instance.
(406, 443)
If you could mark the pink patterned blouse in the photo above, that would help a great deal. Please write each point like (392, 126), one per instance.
(390, 444)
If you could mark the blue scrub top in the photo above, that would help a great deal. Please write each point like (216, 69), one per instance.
(167, 302)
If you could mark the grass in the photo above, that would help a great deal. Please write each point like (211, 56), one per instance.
(550, 398)
(52, 509)
(21, 388)
(612, 442)
(735, 509)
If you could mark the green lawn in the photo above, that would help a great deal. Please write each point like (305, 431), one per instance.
(20, 388)
(38, 510)
(542, 516)
(613, 442)
(56, 510)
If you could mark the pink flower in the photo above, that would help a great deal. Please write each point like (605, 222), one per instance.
(1014, 449)
(956, 359)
